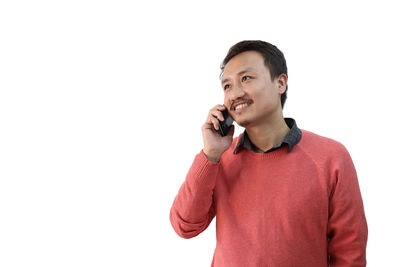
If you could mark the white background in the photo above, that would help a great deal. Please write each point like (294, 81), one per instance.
(102, 102)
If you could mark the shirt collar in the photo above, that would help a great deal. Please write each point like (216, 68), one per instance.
(291, 138)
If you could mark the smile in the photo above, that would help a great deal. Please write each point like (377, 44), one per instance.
(241, 106)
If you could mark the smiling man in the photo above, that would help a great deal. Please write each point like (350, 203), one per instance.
(282, 196)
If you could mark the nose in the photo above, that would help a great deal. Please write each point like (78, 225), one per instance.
(236, 92)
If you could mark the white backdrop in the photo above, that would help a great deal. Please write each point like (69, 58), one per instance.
(101, 105)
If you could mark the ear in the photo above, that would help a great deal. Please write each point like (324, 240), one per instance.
(282, 82)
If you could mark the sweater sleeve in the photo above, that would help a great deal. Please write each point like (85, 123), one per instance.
(193, 208)
(347, 226)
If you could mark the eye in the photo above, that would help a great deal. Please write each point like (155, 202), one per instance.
(226, 86)
(245, 77)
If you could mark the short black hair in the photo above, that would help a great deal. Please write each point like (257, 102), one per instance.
(274, 59)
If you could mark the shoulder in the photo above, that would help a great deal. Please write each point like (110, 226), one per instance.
(316, 144)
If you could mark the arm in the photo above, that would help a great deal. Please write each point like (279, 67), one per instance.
(347, 226)
(193, 208)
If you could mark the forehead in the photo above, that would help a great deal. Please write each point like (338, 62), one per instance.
(242, 61)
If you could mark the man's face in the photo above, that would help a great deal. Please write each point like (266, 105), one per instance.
(247, 80)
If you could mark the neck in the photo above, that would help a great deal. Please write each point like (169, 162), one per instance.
(270, 132)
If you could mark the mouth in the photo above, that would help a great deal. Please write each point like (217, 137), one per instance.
(241, 107)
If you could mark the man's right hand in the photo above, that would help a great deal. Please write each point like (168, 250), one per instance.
(214, 143)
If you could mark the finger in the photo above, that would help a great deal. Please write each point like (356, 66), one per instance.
(212, 120)
(216, 124)
(220, 107)
(217, 114)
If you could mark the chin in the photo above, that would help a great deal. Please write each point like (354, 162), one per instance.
(243, 123)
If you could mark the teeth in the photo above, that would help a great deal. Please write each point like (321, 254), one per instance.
(241, 106)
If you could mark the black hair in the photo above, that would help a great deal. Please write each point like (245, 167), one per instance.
(274, 59)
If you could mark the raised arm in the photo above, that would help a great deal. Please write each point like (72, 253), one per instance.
(193, 208)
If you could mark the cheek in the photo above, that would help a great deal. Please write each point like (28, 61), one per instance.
(226, 103)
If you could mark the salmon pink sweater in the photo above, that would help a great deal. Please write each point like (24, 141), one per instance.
(277, 209)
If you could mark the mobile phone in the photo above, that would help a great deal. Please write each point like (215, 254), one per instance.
(226, 124)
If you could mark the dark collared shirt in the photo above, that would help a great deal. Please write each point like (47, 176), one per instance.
(291, 139)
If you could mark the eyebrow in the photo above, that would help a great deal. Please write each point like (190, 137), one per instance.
(239, 73)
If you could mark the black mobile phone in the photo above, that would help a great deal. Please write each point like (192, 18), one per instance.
(226, 124)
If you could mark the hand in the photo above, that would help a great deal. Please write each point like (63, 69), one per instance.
(214, 143)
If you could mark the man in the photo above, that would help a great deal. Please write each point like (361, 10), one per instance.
(282, 196)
